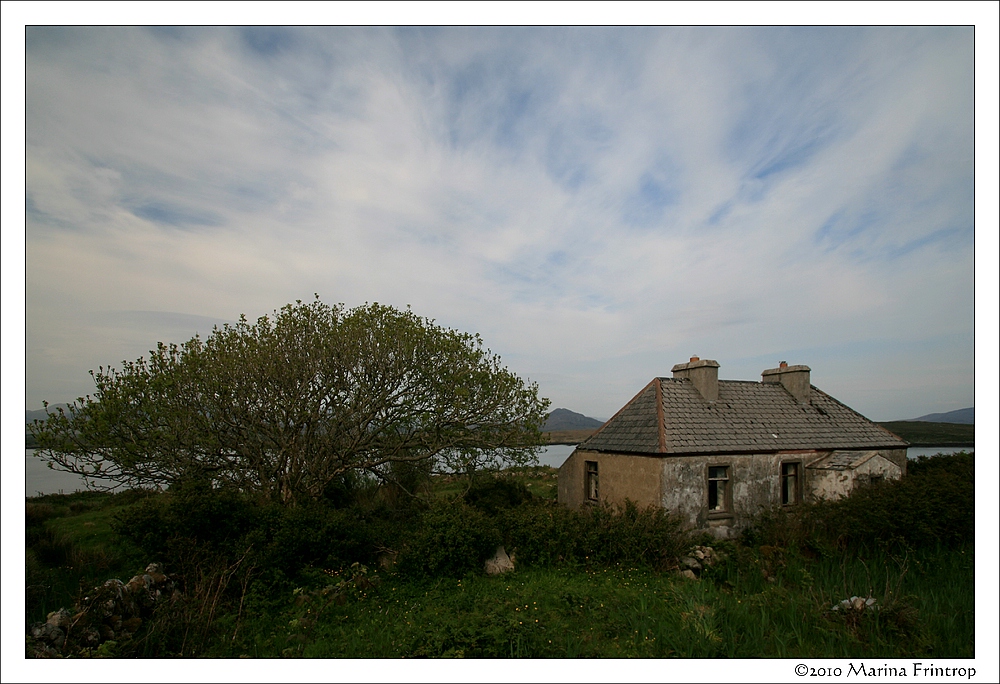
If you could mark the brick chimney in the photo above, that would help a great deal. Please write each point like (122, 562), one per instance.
(703, 374)
(795, 379)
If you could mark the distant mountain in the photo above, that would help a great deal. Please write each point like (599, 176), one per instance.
(966, 416)
(564, 419)
(40, 414)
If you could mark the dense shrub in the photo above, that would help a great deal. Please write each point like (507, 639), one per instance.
(549, 534)
(632, 535)
(453, 540)
(35, 514)
(197, 522)
(318, 535)
(214, 518)
(933, 505)
(50, 549)
(541, 534)
(344, 491)
(496, 493)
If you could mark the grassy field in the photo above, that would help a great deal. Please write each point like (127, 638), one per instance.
(70, 547)
(771, 596)
(567, 436)
(921, 434)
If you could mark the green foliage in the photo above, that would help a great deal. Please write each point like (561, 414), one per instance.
(68, 542)
(933, 505)
(267, 580)
(549, 534)
(48, 548)
(649, 537)
(310, 603)
(621, 611)
(453, 540)
(286, 407)
(493, 494)
(192, 509)
(194, 524)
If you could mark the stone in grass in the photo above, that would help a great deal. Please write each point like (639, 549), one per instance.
(857, 604)
(691, 564)
(60, 618)
(500, 563)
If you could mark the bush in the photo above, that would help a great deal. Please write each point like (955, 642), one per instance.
(495, 493)
(293, 539)
(214, 518)
(50, 549)
(933, 505)
(548, 534)
(541, 534)
(631, 535)
(35, 514)
(453, 540)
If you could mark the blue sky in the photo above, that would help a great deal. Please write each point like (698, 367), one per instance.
(599, 203)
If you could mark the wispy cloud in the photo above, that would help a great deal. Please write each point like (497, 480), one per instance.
(598, 203)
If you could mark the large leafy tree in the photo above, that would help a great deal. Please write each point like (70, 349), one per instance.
(288, 405)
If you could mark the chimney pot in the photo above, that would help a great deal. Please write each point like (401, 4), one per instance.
(694, 358)
(783, 364)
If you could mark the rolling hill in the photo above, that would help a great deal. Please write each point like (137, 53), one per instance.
(966, 416)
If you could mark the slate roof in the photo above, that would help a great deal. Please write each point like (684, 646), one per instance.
(670, 416)
(843, 460)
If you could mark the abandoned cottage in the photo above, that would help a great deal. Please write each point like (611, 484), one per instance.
(718, 451)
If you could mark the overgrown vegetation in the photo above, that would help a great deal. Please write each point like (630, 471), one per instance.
(933, 506)
(371, 572)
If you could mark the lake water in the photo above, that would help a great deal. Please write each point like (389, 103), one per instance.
(40, 479)
(555, 455)
(913, 452)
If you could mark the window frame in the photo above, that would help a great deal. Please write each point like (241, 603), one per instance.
(725, 510)
(591, 482)
(783, 478)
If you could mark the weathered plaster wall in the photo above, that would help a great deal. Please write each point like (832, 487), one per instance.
(680, 483)
(834, 484)
(620, 477)
(754, 479)
(897, 456)
(879, 465)
(829, 484)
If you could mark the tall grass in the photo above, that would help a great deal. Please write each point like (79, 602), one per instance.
(634, 612)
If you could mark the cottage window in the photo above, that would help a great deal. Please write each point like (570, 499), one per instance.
(591, 483)
(791, 491)
(875, 478)
(718, 489)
